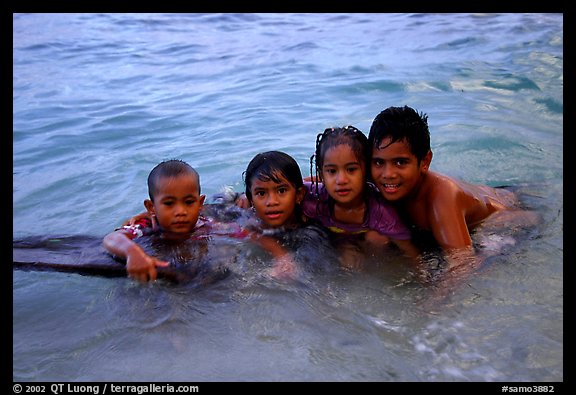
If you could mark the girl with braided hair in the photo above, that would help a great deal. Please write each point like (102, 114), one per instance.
(340, 198)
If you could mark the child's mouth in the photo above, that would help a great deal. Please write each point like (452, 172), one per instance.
(274, 214)
(343, 192)
(390, 188)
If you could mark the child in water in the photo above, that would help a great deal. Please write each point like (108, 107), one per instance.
(174, 205)
(275, 190)
(341, 199)
(442, 206)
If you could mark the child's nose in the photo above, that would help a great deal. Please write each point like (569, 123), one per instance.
(272, 199)
(181, 209)
(388, 171)
(341, 178)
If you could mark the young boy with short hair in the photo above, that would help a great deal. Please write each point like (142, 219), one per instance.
(430, 201)
(174, 206)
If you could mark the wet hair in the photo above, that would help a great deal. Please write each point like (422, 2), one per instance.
(333, 137)
(169, 168)
(270, 166)
(401, 124)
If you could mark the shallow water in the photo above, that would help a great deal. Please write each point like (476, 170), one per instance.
(99, 99)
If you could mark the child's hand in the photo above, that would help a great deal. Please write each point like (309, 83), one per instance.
(136, 218)
(284, 268)
(351, 257)
(375, 238)
(242, 201)
(142, 267)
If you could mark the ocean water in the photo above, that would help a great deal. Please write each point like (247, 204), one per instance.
(99, 99)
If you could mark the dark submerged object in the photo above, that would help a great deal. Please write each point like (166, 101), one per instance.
(76, 254)
(192, 261)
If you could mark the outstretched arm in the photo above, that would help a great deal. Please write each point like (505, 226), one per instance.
(139, 265)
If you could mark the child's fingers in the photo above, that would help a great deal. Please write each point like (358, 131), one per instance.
(159, 263)
(141, 277)
(242, 201)
(152, 274)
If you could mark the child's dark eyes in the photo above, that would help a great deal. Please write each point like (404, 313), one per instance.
(396, 162)
(279, 190)
(170, 203)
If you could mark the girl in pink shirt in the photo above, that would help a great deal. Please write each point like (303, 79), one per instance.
(342, 200)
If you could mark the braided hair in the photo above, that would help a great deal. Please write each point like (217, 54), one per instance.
(333, 137)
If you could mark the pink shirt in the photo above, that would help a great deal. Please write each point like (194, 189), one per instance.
(379, 216)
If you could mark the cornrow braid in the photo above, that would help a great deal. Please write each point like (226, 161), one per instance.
(332, 137)
(315, 156)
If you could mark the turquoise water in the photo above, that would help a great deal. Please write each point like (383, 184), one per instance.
(99, 99)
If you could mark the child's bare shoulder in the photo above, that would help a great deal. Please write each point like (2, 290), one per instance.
(440, 186)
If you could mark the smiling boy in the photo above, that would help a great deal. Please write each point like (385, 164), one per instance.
(430, 201)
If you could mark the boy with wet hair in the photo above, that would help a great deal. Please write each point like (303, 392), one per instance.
(432, 202)
(174, 208)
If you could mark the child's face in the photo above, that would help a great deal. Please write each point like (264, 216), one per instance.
(395, 169)
(177, 204)
(343, 175)
(274, 203)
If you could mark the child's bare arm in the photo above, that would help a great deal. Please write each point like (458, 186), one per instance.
(139, 265)
(448, 225)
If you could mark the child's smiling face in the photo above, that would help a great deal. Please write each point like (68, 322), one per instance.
(395, 169)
